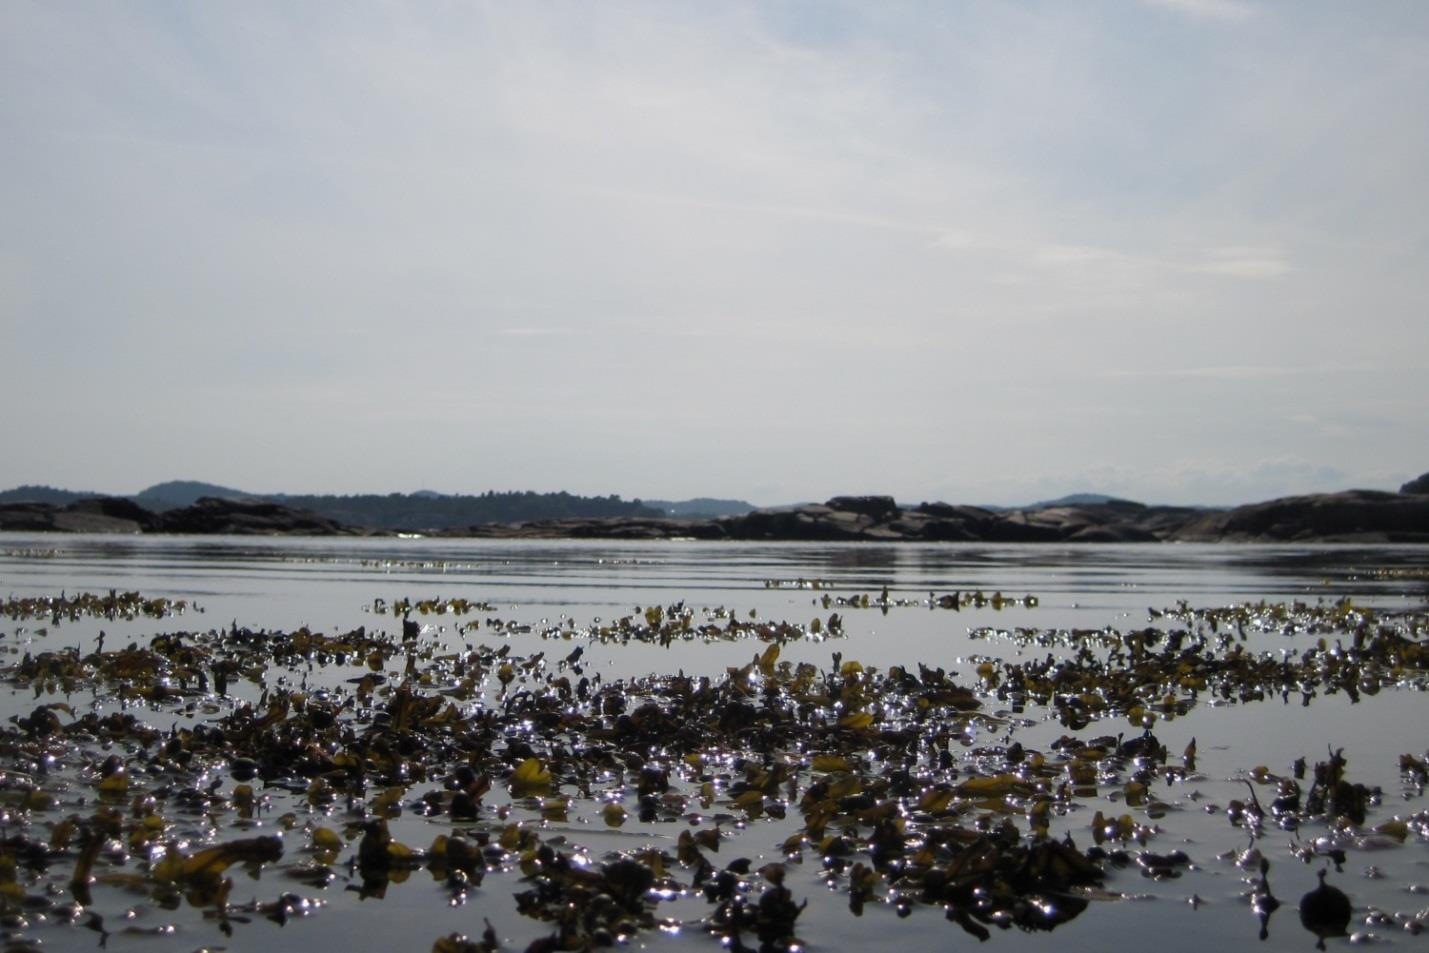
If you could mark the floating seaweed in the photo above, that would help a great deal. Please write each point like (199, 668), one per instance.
(113, 605)
(330, 741)
(956, 601)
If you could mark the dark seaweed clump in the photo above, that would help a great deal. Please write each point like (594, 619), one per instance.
(152, 783)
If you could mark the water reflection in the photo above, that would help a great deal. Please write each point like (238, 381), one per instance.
(1325, 912)
(923, 774)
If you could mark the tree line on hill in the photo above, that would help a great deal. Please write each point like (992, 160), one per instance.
(391, 511)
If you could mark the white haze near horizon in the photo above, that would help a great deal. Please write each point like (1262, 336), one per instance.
(984, 252)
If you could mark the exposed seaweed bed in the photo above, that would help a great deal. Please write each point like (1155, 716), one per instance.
(468, 767)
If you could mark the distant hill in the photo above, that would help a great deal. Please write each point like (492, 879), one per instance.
(44, 494)
(703, 506)
(1071, 499)
(176, 494)
(1078, 499)
(424, 510)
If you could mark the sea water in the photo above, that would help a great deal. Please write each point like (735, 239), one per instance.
(551, 596)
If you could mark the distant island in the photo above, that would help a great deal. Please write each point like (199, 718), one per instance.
(185, 507)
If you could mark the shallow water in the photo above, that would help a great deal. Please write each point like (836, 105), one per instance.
(330, 585)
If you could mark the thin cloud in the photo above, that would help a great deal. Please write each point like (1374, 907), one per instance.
(1233, 261)
(1230, 10)
(838, 216)
(1249, 372)
(1242, 262)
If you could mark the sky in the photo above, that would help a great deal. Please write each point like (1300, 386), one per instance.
(1173, 250)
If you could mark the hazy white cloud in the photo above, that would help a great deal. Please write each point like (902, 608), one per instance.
(799, 250)
(1255, 372)
(1245, 262)
(1211, 9)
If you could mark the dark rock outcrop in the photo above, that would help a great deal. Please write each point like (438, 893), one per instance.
(1419, 485)
(876, 508)
(878, 518)
(612, 527)
(813, 523)
(1354, 516)
(248, 517)
(92, 515)
(28, 517)
(1351, 516)
(114, 507)
(208, 515)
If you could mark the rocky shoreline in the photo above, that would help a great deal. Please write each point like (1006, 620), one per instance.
(208, 515)
(1357, 516)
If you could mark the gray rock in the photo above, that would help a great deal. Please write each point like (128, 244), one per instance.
(1354, 515)
(247, 517)
(1418, 485)
(1123, 533)
(878, 508)
(28, 517)
(92, 515)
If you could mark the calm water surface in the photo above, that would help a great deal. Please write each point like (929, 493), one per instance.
(331, 584)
